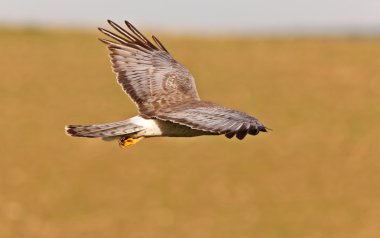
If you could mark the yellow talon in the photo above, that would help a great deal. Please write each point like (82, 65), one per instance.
(126, 142)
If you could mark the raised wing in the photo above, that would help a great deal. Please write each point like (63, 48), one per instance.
(147, 72)
(214, 118)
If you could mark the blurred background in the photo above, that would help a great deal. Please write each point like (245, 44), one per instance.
(307, 69)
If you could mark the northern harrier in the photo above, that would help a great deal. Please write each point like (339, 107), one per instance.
(165, 94)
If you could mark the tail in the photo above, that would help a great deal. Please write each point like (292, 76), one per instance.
(105, 131)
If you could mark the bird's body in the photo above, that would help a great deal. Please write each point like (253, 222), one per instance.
(165, 94)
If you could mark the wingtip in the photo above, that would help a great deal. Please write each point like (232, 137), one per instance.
(101, 29)
(265, 129)
(112, 23)
(229, 135)
(104, 41)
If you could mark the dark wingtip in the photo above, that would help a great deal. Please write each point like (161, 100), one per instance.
(241, 135)
(158, 42)
(265, 129)
(104, 41)
(102, 30)
(243, 130)
(127, 23)
(229, 135)
(113, 24)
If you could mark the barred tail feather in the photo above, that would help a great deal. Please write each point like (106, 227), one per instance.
(103, 130)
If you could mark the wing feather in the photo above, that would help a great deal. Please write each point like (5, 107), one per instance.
(213, 118)
(148, 73)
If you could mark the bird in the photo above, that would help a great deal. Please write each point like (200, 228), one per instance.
(165, 94)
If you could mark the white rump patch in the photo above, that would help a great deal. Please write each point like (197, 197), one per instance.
(150, 125)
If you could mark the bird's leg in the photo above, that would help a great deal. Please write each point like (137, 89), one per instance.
(126, 141)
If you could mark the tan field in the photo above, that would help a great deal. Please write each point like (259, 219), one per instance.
(315, 175)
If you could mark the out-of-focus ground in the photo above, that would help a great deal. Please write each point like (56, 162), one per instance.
(317, 174)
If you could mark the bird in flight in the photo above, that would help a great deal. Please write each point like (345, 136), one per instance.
(165, 94)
